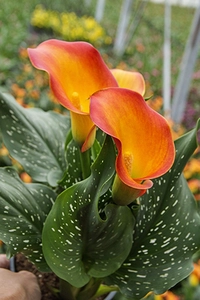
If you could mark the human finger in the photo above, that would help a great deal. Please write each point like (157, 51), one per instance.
(4, 262)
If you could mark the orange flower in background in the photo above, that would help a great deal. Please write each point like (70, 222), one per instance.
(23, 53)
(140, 47)
(29, 84)
(76, 70)
(192, 168)
(4, 151)
(167, 296)
(156, 103)
(176, 129)
(25, 177)
(194, 185)
(27, 69)
(142, 136)
(196, 270)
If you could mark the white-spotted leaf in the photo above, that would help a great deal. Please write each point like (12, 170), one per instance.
(77, 242)
(73, 173)
(35, 138)
(166, 234)
(23, 210)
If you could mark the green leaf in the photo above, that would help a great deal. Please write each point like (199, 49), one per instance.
(166, 233)
(77, 161)
(73, 173)
(23, 210)
(119, 296)
(36, 139)
(79, 244)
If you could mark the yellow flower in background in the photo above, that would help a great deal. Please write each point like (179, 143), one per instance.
(4, 151)
(156, 103)
(194, 185)
(193, 280)
(192, 168)
(167, 296)
(69, 26)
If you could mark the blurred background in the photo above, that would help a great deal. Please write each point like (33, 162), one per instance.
(159, 38)
(148, 36)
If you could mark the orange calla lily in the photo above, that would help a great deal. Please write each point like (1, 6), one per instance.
(142, 136)
(76, 70)
(130, 80)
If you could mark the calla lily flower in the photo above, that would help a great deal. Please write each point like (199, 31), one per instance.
(76, 70)
(130, 80)
(142, 137)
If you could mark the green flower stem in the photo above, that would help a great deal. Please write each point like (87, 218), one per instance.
(89, 291)
(104, 289)
(67, 291)
(85, 163)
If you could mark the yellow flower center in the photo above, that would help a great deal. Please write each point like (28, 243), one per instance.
(128, 160)
(76, 100)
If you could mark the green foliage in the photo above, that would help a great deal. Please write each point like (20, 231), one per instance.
(143, 247)
(23, 210)
(144, 52)
(36, 134)
(15, 29)
(99, 245)
(14, 22)
(69, 5)
(139, 248)
(166, 232)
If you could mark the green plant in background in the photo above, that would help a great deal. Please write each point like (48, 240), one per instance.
(109, 208)
(144, 52)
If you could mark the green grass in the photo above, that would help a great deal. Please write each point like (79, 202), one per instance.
(144, 52)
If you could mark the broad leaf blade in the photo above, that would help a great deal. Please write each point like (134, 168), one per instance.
(35, 139)
(166, 233)
(109, 241)
(77, 242)
(23, 210)
(73, 173)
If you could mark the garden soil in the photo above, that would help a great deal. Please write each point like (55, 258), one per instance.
(47, 281)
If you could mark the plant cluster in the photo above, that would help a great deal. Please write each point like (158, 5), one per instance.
(30, 88)
(69, 26)
(186, 290)
(108, 207)
(35, 153)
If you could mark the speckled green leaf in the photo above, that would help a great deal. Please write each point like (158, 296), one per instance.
(23, 210)
(73, 173)
(35, 139)
(79, 244)
(167, 232)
